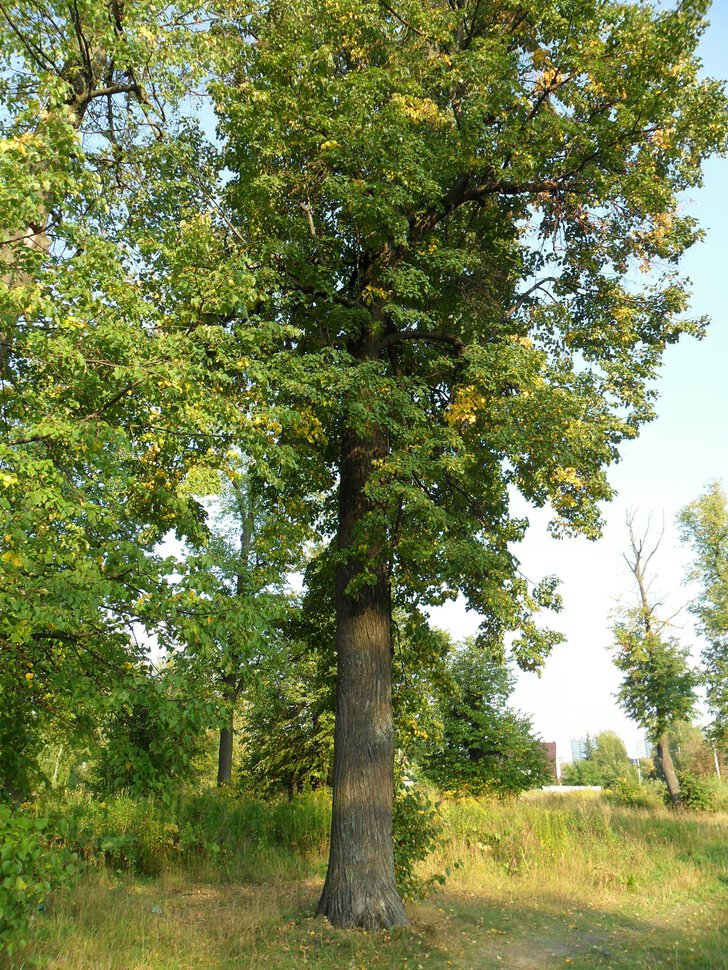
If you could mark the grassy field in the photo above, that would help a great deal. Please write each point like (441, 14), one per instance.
(546, 883)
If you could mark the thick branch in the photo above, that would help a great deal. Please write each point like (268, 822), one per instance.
(444, 338)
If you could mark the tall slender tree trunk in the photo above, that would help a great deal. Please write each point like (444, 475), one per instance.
(234, 681)
(360, 887)
(668, 769)
(225, 750)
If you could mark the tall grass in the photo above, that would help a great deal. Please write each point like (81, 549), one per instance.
(213, 835)
(577, 845)
(587, 842)
(218, 882)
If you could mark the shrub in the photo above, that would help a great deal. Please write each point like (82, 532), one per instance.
(146, 836)
(486, 747)
(696, 793)
(30, 868)
(630, 793)
(582, 773)
(417, 832)
(152, 734)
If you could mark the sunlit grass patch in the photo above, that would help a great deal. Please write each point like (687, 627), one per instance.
(537, 886)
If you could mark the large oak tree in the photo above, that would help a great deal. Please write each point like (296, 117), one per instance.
(448, 204)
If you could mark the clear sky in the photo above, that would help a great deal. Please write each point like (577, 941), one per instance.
(660, 472)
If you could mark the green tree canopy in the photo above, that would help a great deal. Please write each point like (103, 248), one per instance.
(106, 409)
(445, 202)
(704, 525)
(486, 747)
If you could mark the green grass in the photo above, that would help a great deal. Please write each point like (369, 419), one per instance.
(543, 883)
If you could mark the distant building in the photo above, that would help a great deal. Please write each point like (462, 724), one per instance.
(550, 749)
(578, 749)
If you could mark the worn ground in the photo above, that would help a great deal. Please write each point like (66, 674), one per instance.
(170, 925)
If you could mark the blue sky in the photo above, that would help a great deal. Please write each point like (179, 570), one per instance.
(663, 470)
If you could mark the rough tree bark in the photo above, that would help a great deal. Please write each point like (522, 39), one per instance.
(668, 769)
(360, 887)
(225, 749)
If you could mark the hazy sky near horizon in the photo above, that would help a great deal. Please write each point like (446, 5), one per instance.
(659, 473)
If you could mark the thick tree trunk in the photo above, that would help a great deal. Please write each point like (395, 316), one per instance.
(225, 750)
(668, 770)
(225, 755)
(360, 886)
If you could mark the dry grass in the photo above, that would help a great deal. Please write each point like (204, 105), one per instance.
(541, 885)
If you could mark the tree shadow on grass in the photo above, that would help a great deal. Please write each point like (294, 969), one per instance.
(158, 926)
(555, 932)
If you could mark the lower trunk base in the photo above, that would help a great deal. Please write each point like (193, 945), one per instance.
(366, 908)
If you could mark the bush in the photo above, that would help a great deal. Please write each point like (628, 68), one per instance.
(486, 747)
(417, 832)
(630, 793)
(146, 836)
(152, 734)
(30, 868)
(696, 793)
(582, 773)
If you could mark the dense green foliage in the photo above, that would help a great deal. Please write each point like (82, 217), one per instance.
(704, 525)
(398, 229)
(31, 866)
(486, 747)
(658, 688)
(696, 793)
(97, 385)
(606, 763)
(288, 722)
(149, 733)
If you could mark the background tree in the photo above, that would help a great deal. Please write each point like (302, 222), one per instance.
(610, 755)
(288, 712)
(658, 689)
(231, 599)
(149, 733)
(704, 525)
(105, 404)
(584, 772)
(693, 751)
(486, 747)
(288, 722)
(444, 201)
(605, 762)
